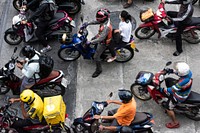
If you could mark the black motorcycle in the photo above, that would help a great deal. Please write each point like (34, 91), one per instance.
(70, 6)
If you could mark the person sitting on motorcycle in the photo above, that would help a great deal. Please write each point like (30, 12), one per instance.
(35, 113)
(44, 13)
(125, 30)
(181, 19)
(103, 38)
(178, 90)
(124, 115)
(29, 70)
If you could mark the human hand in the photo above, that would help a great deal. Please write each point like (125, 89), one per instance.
(163, 1)
(97, 117)
(19, 65)
(109, 101)
(11, 100)
(101, 127)
(23, 22)
(84, 25)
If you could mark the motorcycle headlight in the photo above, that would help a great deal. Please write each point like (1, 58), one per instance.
(11, 66)
(73, 24)
(161, 77)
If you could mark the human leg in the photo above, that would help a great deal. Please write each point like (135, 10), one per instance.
(100, 49)
(27, 83)
(20, 123)
(111, 48)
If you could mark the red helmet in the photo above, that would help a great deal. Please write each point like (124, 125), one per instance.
(102, 15)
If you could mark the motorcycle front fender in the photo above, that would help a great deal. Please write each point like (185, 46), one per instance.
(63, 46)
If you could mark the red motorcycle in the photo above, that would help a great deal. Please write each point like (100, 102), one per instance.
(54, 84)
(8, 115)
(147, 86)
(158, 23)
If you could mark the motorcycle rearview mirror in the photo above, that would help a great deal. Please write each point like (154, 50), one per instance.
(168, 63)
(82, 18)
(111, 94)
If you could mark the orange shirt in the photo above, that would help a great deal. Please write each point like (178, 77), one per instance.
(126, 113)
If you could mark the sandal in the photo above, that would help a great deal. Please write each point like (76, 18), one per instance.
(172, 125)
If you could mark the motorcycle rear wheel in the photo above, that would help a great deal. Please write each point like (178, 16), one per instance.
(192, 36)
(144, 32)
(68, 54)
(76, 9)
(194, 2)
(12, 38)
(124, 54)
(195, 114)
(3, 88)
(140, 92)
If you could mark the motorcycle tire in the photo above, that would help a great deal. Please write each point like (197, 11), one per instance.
(124, 54)
(144, 32)
(79, 128)
(51, 89)
(3, 88)
(194, 2)
(76, 9)
(68, 54)
(12, 38)
(140, 92)
(17, 4)
(194, 114)
(66, 129)
(192, 36)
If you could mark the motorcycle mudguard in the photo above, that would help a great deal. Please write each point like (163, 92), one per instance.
(66, 46)
(10, 30)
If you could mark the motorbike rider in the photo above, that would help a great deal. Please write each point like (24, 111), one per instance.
(122, 35)
(181, 19)
(35, 113)
(103, 38)
(177, 91)
(29, 70)
(45, 12)
(124, 115)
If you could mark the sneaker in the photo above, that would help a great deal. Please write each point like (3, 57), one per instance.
(111, 59)
(177, 53)
(46, 49)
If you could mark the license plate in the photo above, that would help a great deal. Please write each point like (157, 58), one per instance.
(64, 82)
(133, 45)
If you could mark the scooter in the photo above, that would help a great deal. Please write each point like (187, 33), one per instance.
(54, 84)
(147, 85)
(158, 23)
(8, 115)
(74, 46)
(19, 32)
(143, 121)
(70, 6)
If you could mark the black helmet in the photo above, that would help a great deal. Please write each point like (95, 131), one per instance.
(102, 15)
(125, 95)
(27, 51)
(126, 129)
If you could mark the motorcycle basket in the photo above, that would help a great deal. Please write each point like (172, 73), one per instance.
(144, 77)
(146, 15)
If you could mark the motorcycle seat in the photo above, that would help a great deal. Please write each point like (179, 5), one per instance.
(193, 98)
(140, 117)
(195, 21)
(52, 75)
(57, 17)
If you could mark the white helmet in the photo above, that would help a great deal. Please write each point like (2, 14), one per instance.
(181, 68)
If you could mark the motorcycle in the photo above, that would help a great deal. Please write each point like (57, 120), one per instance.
(147, 86)
(143, 121)
(70, 6)
(54, 84)
(75, 46)
(158, 23)
(19, 32)
(8, 115)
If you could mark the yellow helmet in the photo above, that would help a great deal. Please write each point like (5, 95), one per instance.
(27, 96)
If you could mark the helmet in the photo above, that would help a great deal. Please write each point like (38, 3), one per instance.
(27, 51)
(125, 95)
(102, 15)
(27, 96)
(185, 2)
(126, 129)
(181, 68)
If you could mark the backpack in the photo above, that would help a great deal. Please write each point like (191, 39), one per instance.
(46, 64)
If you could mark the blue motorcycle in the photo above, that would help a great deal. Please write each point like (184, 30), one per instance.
(75, 46)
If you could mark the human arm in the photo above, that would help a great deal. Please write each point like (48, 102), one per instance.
(114, 101)
(24, 113)
(12, 100)
(110, 128)
(30, 69)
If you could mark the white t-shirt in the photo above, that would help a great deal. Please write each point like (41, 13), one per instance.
(125, 29)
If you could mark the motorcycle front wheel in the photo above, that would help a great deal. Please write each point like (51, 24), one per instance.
(3, 88)
(76, 7)
(12, 38)
(124, 54)
(17, 4)
(192, 36)
(140, 92)
(194, 2)
(194, 113)
(68, 54)
(144, 32)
